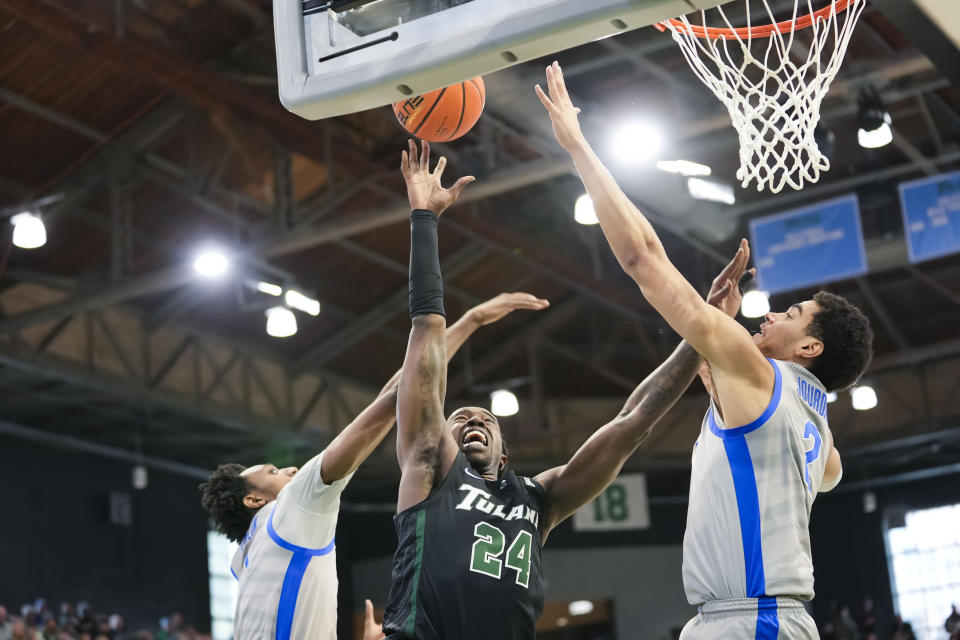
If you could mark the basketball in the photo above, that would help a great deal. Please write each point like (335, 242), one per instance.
(445, 114)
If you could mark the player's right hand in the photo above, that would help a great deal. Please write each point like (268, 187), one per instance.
(563, 115)
(725, 292)
(423, 187)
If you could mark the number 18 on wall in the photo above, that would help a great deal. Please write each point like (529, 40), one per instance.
(622, 506)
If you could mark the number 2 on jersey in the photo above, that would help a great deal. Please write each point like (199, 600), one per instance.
(810, 430)
(488, 547)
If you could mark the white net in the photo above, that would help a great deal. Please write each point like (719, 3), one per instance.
(772, 85)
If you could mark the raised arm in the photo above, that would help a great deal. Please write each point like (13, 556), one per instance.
(423, 444)
(720, 339)
(598, 461)
(365, 433)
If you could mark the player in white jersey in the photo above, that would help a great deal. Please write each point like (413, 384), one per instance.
(285, 519)
(765, 449)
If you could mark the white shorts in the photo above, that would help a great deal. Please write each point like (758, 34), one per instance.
(752, 619)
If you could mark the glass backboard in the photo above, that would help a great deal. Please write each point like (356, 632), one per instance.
(336, 57)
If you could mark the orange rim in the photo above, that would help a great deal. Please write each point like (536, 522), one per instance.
(744, 33)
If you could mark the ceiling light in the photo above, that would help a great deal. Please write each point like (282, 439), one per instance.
(636, 142)
(504, 403)
(269, 288)
(580, 607)
(863, 397)
(583, 211)
(874, 121)
(139, 478)
(711, 190)
(28, 231)
(684, 167)
(831, 397)
(211, 263)
(562, 622)
(281, 323)
(755, 304)
(879, 137)
(301, 302)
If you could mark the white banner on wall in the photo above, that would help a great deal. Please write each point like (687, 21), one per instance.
(623, 505)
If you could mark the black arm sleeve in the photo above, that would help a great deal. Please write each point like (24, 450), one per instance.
(426, 283)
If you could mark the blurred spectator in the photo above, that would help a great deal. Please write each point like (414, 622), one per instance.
(50, 630)
(844, 627)
(902, 630)
(37, 622)
(6, 629)
(952, 623)
(21, 632)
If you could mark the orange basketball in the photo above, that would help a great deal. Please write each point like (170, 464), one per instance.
(445, 114)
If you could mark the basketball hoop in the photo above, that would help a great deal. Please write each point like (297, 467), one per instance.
(773, 100)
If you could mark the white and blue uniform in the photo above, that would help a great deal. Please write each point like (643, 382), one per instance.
(287, 563)
(746, 550)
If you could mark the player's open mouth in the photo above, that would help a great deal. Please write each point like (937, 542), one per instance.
(474, 435)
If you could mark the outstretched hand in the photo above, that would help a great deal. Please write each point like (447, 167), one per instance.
(725, 292)
(496, 308)
(563, 115)
(372, 630)
(423, 187)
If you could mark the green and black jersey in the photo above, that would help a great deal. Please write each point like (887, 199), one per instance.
(467, 565)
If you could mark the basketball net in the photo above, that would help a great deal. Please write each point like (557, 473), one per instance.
(771, 88)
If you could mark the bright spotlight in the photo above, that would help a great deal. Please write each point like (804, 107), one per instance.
(580, 607)
(831, 397)
(301, 302)
(270, 289)
(863, 397)
(211, 263)
(28, 231)
(711, 190)
(281, 323)
(636, 142)
(755, 304)
(583, 211)
(879, 137)
(684, 167)
(874, 121)
(504, 403)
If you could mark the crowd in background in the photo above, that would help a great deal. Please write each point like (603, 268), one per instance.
(869, 623)
(37, 621)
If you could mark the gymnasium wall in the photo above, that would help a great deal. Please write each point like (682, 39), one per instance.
(849, 553)
(56, 539)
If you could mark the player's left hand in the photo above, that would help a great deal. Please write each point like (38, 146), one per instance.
(725, 292)
(496, 308)
(563, 115)
(423, 187)
(372, 630)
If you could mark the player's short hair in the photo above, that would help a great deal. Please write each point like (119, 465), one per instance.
(222, 496)
(847, 341)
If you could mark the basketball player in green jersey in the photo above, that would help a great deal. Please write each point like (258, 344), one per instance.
(470, 532)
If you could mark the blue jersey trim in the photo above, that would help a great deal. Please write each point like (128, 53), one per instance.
(768, 626)
(289, 546)
(292, 578)
(288, 594)
(759, 422)
(234, 573)
(748, 506)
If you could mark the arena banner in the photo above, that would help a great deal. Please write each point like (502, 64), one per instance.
(812, 245)
(622, 506)
(931, 216)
